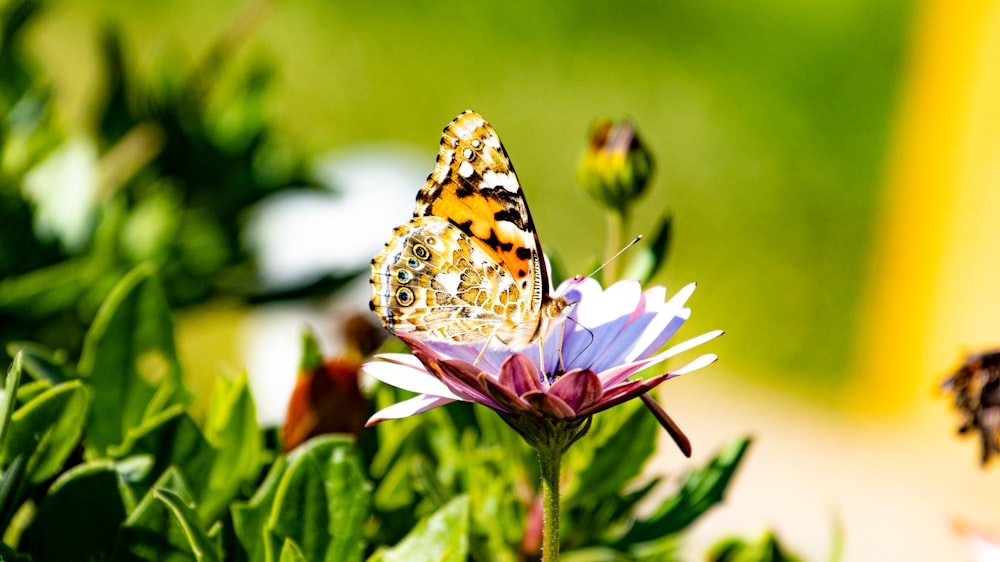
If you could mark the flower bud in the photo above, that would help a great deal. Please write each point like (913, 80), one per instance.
(616, 167)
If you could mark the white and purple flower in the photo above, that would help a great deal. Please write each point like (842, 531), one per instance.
(588, 364)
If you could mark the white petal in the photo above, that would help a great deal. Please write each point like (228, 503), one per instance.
(408, 378)
(617, 374)
(489, 362)
(407, 408)
(669, 319)
(623, 348)
(618, 300)
(692, 343)
(596, 321)
(577, 289)
(682, 296)
(654, 297)
(703, 361)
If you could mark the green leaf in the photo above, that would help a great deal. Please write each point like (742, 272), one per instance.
(620, 449)
(14, 20)
(318, 499)
(441, 537)
(290, 552)
(250, 518)
(127, 354)
(47, 290)
(47, 429)
(395, 490)
(232, 430)
(312, 358)
(173, 440)
(11, 489)
(649, 259)
(599, 501)
(84, 508)
(42, 363)
(153, 530)
(322, 501)
(198, 541)
(11, 383)
(766, 549)
(28, 391)
(702, 489)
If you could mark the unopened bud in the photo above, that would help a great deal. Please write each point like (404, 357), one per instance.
(616, 167)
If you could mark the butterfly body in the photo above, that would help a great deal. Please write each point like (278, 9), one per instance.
(469, 266)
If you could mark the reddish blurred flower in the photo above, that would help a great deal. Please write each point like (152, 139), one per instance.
(326, 398)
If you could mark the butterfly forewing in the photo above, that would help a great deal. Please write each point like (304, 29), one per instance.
(470, 256)
(475, 187)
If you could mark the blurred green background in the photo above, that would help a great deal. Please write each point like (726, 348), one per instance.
(769, 123)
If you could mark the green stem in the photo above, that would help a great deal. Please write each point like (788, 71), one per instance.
(550, 459)
(617, 224)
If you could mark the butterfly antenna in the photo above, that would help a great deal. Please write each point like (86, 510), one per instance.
(614, 257)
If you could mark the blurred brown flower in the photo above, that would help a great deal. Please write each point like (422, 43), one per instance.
(975, 390)
(326, 398)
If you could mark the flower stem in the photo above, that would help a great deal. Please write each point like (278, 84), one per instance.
(550, 437)
(617, 224)
(550, 459)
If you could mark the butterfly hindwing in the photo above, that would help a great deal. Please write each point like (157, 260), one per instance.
(434, 279)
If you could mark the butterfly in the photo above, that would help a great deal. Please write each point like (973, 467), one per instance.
(469, 266)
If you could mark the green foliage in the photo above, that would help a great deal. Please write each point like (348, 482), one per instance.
(766, 549)
(441, 537)
(651, 257)
(46, 429)
(313, 505)
(97, 489)
(165, 178)
(322, 501)
(128, 359)
(702, 489)
(152, 483)
(423, 461)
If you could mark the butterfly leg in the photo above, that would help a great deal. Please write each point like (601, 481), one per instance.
(562, 338)
(486, 344)
(541, 358)
(481, 352)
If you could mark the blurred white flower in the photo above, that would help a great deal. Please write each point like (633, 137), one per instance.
(300, 236)
(270, 343)
(63, 188)
(980, 546)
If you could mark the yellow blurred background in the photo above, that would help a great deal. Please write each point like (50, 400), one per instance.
(832, 169)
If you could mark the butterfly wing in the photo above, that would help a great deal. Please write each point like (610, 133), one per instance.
(474, 186)
(434, 281)
(469, 266)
